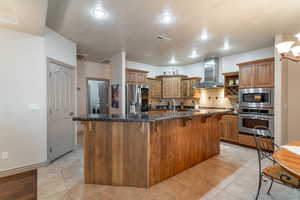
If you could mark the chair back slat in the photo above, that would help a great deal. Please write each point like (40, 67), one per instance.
(264, 143)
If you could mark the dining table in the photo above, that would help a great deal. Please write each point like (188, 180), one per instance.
(288, 160)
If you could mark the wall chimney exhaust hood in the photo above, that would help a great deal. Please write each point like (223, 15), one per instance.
(211, 74)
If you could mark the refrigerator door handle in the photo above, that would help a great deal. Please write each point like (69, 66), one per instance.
(139, 99)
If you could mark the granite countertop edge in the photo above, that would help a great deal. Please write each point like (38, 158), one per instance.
(147, 117)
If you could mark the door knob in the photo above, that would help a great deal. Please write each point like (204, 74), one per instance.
(71, 113)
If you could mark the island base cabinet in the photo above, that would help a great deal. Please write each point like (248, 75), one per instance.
(142, 154)
(115, 153)
(177, 145)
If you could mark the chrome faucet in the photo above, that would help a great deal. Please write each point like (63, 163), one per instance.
(174, 104)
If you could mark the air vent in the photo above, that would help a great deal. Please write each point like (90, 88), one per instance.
(105, 61)
(162, 37)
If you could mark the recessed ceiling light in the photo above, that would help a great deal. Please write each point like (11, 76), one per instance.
(298, 36)
(167, 18)
(99, 13)
(173, 61)
(226, 45)
(204, 35)
(194, 54)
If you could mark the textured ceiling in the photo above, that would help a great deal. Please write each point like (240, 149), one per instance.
(132, 26)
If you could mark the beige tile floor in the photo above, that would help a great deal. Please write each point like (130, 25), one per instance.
(232, 175)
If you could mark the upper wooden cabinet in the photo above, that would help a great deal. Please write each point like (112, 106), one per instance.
(257, 74)
(155, 88)
(187, 87)
(171, 86)
(264, 75)
(246, 76)
(136, 76)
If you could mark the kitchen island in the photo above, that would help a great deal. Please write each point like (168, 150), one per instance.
(142, 150)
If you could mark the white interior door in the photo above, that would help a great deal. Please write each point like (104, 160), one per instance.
(61, 108)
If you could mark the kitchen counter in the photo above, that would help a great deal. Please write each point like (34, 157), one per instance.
(143, 150)
(151, 117)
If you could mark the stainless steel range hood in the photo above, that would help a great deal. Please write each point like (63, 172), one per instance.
(211, 74)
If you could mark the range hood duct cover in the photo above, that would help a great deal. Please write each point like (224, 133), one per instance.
(211, 74)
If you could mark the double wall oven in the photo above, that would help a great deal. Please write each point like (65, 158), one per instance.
(256, 110)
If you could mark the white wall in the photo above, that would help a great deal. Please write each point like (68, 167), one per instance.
(190, 70)
(118, 76)
(87, 69)
(59, 48)
(23, 130)
(228, 63)
(22, 82)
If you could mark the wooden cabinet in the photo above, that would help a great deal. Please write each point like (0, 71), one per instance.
(246, 76)
(167, 88)
(176, 87)
(229, 128)
(264, 75)
(248, 140)
(171, 86)
(136, 76)
(155, 88)
(187, 87)
(257, 74)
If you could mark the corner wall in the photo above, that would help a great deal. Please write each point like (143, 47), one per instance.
(290, 97)
(22, 85)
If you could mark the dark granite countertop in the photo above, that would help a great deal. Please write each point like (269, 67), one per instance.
(150, 117)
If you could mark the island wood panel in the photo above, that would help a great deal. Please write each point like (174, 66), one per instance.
(176, 145)
(142, 154)
(115, 153)
(21, 186)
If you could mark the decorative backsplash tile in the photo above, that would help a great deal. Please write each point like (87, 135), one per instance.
(213, 97)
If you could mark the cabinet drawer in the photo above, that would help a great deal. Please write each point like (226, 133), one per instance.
(248, 140)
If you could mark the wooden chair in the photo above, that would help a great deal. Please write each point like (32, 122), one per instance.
(274, 173)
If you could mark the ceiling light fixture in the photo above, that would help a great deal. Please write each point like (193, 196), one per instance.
(284, 48)
(167, 18)
(99, 13)
(298, 36)
(226, 45)
(173, 61)
(204, 35)
(194, 54)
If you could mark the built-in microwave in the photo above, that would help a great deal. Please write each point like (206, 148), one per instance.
(256, 97)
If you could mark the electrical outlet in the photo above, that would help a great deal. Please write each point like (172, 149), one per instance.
(4, 155)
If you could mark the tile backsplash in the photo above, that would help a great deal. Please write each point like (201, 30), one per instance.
(213, 97)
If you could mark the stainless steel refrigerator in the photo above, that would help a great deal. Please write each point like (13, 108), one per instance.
(137, 98)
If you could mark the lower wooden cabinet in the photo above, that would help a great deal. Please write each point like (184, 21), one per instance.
(248, 140)
(229, 129)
